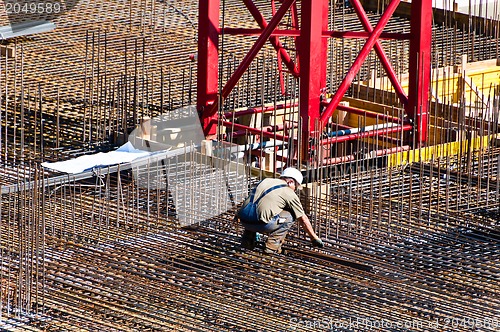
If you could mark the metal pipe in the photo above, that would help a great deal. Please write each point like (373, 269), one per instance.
(350, 137)
(349, 131)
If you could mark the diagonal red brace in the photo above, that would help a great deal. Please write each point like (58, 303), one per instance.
(274, 40)
(252, 53)
(356, 66)
(380, 52)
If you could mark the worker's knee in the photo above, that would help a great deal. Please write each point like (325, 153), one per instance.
(286, 215)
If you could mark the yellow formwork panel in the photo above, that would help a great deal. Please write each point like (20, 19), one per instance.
(429, 153)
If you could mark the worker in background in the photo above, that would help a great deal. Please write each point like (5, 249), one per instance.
(272, 208)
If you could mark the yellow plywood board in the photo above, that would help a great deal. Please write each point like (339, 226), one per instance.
(437, 151)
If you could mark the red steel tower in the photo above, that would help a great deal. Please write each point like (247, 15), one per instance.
(311, 46)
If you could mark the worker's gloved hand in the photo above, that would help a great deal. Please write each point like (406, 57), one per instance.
(317, 243)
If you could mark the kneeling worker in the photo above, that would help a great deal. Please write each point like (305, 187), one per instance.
(272, 208)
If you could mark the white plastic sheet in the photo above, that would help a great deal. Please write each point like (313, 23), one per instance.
(126, 153)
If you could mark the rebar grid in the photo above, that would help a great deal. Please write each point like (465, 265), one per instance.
(416, 243)
(127, 267)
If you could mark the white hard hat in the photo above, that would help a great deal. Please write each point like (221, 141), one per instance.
(293, 173)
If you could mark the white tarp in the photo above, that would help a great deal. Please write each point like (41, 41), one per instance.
(126, 153)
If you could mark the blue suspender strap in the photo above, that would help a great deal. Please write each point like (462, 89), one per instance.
(248, 213)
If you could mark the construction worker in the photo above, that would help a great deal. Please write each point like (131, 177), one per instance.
(272, 208)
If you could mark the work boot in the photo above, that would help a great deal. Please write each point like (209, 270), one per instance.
(248, 240)
(269, 251)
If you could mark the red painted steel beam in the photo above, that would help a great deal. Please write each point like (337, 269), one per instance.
(374, 153)
(208, 63)
(324, 46)
(391, 74)
(370, 114)
(385, 139)
(252, 53)
(420, 67)
(381, 138)
(356, 66)
(349, 158)
(272, 129)
(325, 34)
(312, 51)
(252, 130)
(365, 134)
(366, 35)
(261, 21)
